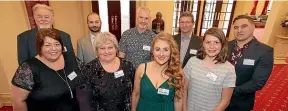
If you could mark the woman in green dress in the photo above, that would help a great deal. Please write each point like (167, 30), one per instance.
(158, 85)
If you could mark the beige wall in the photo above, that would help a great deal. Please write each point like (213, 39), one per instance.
(13, 21)
(277, 14)
(70, 17)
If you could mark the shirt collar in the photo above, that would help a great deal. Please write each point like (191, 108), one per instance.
(245, 45)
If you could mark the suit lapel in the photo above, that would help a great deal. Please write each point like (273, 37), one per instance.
(192, 45)
(89, 46)
(178, 41)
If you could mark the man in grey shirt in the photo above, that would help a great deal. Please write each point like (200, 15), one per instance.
(135, 43)
(188, 42)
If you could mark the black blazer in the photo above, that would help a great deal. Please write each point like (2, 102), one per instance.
(194, 43)
(26, 44)
(250, 78)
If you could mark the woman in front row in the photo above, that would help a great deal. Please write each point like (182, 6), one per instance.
(46, 82)
(158, 85)
(109, 77)
(210, 78)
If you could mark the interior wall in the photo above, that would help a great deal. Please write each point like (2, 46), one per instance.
(13, 21)
(278, 11)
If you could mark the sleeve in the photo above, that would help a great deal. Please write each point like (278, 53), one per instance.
(128, 95)
(230, 78)
(260, 76)
(22, 49)
(84, 91)
(23, 77)
(84, 77)
(80, 51)
(123, 43)
(187, 70)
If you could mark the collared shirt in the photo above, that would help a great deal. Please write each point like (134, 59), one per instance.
(184, 46)
(136, 45)
(238, 52)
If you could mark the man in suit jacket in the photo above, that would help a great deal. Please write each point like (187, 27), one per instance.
(86, 48)
(26, 41)
(188, 43)
(253, 63)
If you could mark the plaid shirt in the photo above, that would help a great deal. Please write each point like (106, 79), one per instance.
(238, 52)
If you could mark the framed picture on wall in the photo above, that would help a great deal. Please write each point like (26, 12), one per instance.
(29, 5)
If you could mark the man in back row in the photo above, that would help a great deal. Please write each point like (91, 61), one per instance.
(135, 43)
(188, 43)
(26, 41)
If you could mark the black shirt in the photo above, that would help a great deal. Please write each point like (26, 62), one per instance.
(48, 89)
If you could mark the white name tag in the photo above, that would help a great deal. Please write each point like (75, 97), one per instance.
(193, 51)
(72, 75)
(163, 91)
(248, 62)
(211, 76)
(147, 48)
(118, 74)
(65, 49)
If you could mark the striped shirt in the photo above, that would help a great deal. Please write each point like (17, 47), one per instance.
(204, 93)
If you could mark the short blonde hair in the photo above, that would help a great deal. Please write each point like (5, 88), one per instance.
(105, 37)
(143, 9)
(42, 6)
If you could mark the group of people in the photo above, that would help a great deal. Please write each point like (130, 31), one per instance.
(144, 72)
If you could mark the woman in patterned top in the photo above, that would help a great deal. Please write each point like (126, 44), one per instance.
(46, 82)
(210, 78)
(109, 77)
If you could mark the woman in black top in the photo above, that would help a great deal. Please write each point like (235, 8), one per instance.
(46, 82)
(109, 77)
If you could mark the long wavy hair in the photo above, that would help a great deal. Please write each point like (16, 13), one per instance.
(174, 69)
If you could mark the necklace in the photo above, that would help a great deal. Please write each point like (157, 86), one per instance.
(66, 81)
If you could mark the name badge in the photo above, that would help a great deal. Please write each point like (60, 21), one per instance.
(248, 62)
(65, 49)
(118, 74)
(147, 48)
(163, 91)
(193, 51)
(211, 76)
(72, 75)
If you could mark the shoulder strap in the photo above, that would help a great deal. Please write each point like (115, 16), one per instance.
(145, 68)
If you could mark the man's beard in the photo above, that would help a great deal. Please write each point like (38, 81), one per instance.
(95, 29)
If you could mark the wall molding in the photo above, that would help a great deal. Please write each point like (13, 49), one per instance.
(5, 99)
